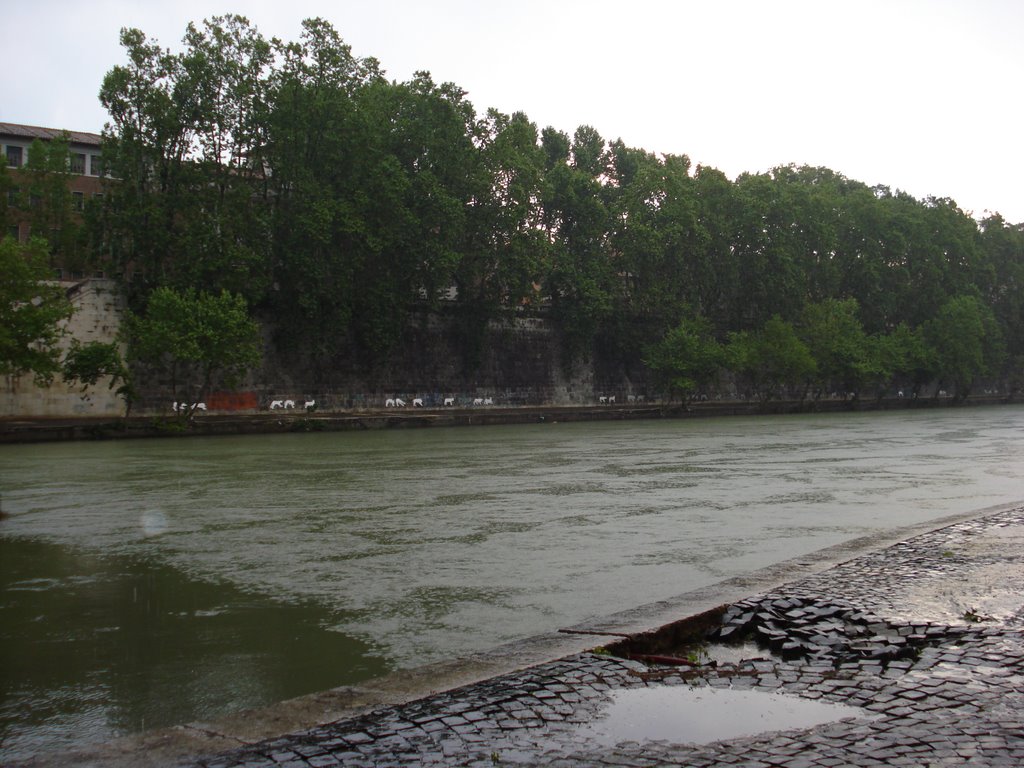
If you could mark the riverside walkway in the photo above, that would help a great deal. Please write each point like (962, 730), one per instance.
(910, 654)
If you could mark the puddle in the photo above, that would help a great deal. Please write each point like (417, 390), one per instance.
(684, 715)
(733, 653)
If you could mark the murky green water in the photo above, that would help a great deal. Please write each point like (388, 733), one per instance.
(94, 646)
(144, 583)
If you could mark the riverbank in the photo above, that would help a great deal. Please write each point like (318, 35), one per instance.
(911, 639)
(25, 430)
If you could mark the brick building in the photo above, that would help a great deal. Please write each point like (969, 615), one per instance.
(84, 174)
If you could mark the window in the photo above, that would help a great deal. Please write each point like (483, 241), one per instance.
(77, 162)
(15, 156)
(12, 196)
(13, 232)
(95, 169)
(78, 201)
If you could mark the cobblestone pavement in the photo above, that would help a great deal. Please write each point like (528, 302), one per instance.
(924, 638)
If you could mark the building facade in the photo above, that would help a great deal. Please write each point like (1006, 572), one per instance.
(83, 178)
(97, 303)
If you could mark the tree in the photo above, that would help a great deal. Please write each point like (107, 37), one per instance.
(347, 205)
(654, 234)
(86, 364)
(718, 274)
(582, 275)
(410, 201)
(186, 142)
(196, 339)
(812, 200)
(837, 342)
(966, 342)
(8, 197)
(147, 148)
(504, 248)
(900, 354)
(770, 276)
(771, 358)
(32, 311)
(328, 169)
(1003, 247)
(49, 203)
(687, 359)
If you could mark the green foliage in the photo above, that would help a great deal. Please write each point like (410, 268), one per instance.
(966, 342)
(505, 249)
(771, 358)
(43, 197)
(186, 140)
(582, 280)
(656, 235)
(687, 359)
(901, 354)
(196, 339)
(346, 206)
(771, 279)
(1002, 245)
(32, 311)
(7, 195)
(86, 364)
(835, 337)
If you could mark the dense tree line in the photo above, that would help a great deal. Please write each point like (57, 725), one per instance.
(342, 205)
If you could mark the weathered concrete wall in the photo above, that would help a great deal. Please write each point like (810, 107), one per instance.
(97, 317)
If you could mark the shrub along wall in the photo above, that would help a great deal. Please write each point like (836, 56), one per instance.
(97, 317)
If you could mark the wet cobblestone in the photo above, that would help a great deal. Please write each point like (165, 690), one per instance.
(933, 690)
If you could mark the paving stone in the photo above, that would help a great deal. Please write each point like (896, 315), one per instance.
(322, 761)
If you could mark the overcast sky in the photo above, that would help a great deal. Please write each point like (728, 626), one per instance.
(926, 96)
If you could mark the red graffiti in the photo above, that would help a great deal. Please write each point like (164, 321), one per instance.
(232, 401)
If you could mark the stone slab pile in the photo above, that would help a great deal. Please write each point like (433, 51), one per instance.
(817, 628)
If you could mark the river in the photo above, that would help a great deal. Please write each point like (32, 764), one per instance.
(150, 582)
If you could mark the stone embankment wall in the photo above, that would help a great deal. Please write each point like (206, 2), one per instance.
(518, 362)
(97, 317)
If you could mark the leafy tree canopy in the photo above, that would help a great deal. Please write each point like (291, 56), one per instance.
(771, 358)
(966, 342)
(687, 359)
(86, 364)
(197, 339)
(836, 339)
(345, 205)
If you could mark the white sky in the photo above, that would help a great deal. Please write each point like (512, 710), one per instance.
(921, 95)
